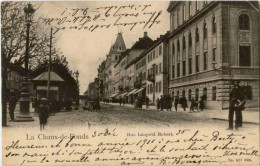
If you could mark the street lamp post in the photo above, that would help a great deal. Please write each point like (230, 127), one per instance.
(24, 113)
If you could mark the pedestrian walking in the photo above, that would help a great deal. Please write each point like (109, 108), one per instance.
(136, 103)
(43, 113)
(120, 101)
(192, 102)
(176, 102)
(12, 105)
(162, 103)
(201, 104)
(184, 103)
(236, 105)
(158, 103)
(146, 102)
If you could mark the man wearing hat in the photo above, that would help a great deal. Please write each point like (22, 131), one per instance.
(236, 105)
(12, 104)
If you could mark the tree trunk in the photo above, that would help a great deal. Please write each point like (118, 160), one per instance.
(4, 92)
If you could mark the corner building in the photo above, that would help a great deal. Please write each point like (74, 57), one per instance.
(211, 44)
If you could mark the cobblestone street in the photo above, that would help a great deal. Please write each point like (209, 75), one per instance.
(116, 116)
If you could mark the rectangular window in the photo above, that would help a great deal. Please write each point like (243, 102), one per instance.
(190, 65)
(178, 70)
(156, 84)
(244, 56)
(160, 86)
(172, 21)
(205, 60)
(160, 68)
(214, 55)
(153, 54)
(197, 63)
(178, 15)
(156, 71)
(184, 68)
(184, 12)
(173, 71)
(190, 3)
(196, 6)
(214, 93)
(160, 50)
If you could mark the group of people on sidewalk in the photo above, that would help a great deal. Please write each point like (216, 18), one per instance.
(166, 103)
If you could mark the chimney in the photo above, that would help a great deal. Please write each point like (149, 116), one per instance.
(145, 34)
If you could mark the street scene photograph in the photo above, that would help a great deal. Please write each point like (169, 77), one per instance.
(130, 82)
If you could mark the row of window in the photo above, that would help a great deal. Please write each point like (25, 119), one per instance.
(153, 54)
(140, 64)
(157, 68)
(205, 35)
(197, 64)
(181, 14)
(150, 88)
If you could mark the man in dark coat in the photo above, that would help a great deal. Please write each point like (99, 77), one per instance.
(12, 104)
(192, 102)
(234, 98)
(176, 102)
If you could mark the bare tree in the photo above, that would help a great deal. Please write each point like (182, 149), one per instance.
(13, 40)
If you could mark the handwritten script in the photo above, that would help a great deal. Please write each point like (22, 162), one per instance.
(178, 147)
(105, 17)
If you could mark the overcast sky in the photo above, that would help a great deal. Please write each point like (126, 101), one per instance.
(85, 49)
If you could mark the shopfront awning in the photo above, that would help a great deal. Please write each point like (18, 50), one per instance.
(121, 95)
(114, 95)
(139, 90)
(131, 92)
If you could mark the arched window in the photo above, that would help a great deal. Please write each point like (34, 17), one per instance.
(214, 24)
(204, 93)
(244, 22)
(173, 48)
(197, 35)
(178, 46)
(183, 93)
(183, 43)
(190, 40)
(205, 30)
(189, 94)
(214, 93)
(197, 94)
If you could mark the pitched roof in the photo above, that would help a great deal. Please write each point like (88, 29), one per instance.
(142, 43)
(119, 44)
(44, 77)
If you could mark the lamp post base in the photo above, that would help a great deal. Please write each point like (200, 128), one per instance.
(24, 113)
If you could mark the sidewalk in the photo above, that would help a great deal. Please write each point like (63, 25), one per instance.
(250, 115)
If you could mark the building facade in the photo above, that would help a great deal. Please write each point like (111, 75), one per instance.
(212, 44)
(112, 58)
(157, 69)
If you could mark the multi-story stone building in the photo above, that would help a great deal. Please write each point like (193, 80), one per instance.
(112, 58)
(211, 44)
(157, 69)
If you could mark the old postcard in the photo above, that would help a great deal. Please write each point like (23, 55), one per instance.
(130, 82)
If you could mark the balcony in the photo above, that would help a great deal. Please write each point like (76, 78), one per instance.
(151, 77)
(127, 88)
(138, 83)
(120, 87)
